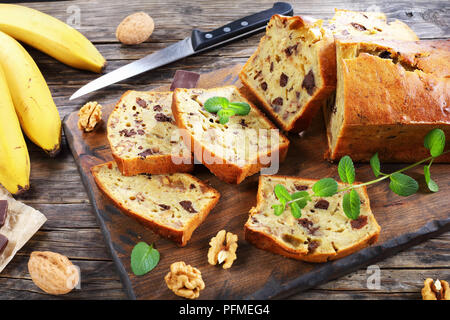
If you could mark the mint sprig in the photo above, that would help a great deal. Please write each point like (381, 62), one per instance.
(144, 258)
(400, 183)
(226, 109)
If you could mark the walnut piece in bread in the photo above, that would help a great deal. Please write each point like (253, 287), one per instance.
(184, 280)
(223, 249)
(53, 272)
(135, 29)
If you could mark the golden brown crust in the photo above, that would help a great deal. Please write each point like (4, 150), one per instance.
(154, 164)
(228, 172)
(390, 105)
(268, 242)
(181, 237)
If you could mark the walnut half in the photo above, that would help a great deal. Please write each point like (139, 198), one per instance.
(223, 249)
(184, 280)
(89, 116)
(435, 290)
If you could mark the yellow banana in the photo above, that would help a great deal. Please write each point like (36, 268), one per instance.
(32, 99)
(51, 36)
(14, 159)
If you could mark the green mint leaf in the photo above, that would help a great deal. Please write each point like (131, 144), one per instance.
(278, 209)
(325, 187)
(295, 210)
(224, 115)
(240, 108)
(351, 204)
(403, 185)
(435, 142)
(143, 258)
(430, 183)
(215, 104)
(375, 164)
(346, 170)
(282, 193)
(303, 197)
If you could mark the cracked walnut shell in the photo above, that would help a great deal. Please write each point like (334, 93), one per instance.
(184, 280)
(435, 290)
(53, 272)
(89, 116)
(223, 249)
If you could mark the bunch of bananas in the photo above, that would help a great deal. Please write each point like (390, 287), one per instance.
(25, 99)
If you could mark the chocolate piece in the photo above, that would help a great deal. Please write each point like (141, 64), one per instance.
(322, 204)
(164, 206)
(313, 245)
(358, 26)
(307, 224)
(161, 117)
(278, 101)
(127, 133)
(283, 80)
(3, 243)
(243, 123)
(290, 49)
(309, 83)
(300, 187)
(264, 86)
(141, 102)
(359, 223)
(157, 108)
(147, 152)
(271, 66)
(3, 211)
(187, 205)
(141, 132)
(184, 79)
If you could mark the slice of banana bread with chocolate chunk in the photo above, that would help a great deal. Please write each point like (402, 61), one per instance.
(143, 135)
(293, 71)
(322, 233)
(172, 205)
(236, 149)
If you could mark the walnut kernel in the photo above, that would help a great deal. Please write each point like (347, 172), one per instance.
(223, 249)
(89, 116)
(184, 280)
(435, 290)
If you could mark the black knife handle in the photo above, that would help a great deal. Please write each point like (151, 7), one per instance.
(239, 28)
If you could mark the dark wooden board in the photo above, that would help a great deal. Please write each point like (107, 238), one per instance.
(257, 274)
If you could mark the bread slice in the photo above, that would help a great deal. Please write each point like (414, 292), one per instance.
(234, 150)
(322, 233)
(293, 71)
(172, 205)
(389, 95)
(144, 137)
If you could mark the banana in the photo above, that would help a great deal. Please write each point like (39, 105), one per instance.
(14, 158)
(32, 99)
(51, 36)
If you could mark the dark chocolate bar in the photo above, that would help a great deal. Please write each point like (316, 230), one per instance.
(3, 243)
(3, 211)
(184, 79)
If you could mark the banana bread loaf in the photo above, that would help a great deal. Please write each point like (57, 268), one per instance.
(322, 233)
(172, 205)
(293, 71)
(234, 150)
(389, 95)
(144, 137)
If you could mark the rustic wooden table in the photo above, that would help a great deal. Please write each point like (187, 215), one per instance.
(57, 190)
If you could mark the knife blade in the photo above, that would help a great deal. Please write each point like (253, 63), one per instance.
(198, 41)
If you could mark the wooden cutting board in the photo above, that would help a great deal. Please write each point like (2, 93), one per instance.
(257, 274)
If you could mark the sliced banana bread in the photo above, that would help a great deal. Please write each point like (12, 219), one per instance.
(293, 71)
(234, 150)
(172, 205)
(389, 95)
(322, 233)
(143, 135)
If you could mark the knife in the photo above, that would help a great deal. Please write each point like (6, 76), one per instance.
(198, 41)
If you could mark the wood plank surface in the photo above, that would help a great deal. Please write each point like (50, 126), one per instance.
(56, 186)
